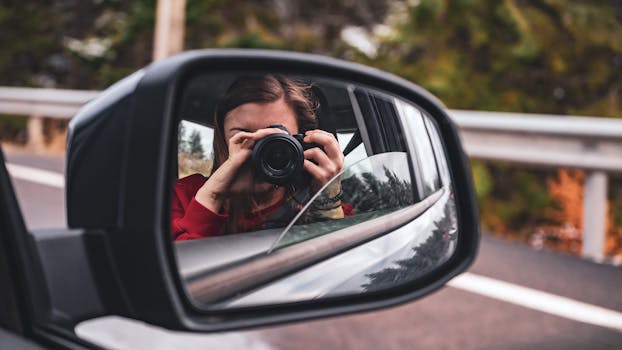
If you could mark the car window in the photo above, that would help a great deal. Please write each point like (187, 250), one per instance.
(194, 149)
(370, 188)
(413, 120)
(356, 154)
(439, 151)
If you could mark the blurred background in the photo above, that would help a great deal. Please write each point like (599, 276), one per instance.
(531, 57)
(528, 56)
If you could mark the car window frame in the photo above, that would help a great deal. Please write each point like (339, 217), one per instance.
(414, 150)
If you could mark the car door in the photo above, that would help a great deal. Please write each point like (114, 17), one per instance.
(43, 276)
(13, 300)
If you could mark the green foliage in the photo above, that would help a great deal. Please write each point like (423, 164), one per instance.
(74, 44)
(482, 179)
(26, 42)
(525, 56)
(517, 198)
(92, 44)
(522, 56)
(13, 128)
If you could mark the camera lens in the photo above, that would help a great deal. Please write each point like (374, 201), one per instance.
(278, 158)
(278, 155)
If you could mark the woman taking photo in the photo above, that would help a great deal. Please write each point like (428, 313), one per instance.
(233, 199)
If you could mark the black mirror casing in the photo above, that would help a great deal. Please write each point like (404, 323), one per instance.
(119, 180)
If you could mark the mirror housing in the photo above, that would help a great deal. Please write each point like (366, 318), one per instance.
(118, 189)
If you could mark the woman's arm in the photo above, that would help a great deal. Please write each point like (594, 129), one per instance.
(189, 218)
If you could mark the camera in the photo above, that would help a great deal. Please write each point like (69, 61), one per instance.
(279, 158)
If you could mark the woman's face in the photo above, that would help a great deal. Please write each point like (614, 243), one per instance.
(251, 117)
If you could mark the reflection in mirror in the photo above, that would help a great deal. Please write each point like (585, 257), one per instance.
(370, 188)
(293, 188)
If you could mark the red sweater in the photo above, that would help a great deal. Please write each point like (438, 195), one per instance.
(191, 220)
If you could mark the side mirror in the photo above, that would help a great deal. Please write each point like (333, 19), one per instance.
(393, 223)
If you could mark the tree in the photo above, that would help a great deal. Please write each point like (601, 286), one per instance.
(436, 250)
(182, 144)
(539, 56)
(299, 25)
(367, 192)
(92, 44)
(74, 44)
(195, 147)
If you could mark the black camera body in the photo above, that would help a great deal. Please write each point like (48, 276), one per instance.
(279, 158)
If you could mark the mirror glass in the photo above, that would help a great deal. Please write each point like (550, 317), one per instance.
(293, 188)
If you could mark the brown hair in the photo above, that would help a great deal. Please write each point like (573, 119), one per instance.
(260, 89)
(263, 89)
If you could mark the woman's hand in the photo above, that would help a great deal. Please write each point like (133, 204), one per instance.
(242, 142)
(240, 146)
(323, 165)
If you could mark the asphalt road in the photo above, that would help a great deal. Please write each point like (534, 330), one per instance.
(451, 318)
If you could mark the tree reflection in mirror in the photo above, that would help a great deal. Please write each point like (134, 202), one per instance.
(386, 218)
(370, 188)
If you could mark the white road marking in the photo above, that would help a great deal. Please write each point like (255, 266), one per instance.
(538, 300)
(38, 176)
(492, 288)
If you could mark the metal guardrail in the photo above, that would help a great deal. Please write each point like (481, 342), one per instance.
(591, 144)
(53, 103)
(543, 140)
(40, 103)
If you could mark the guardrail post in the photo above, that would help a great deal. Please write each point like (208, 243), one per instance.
(594, 215)
(36, 141)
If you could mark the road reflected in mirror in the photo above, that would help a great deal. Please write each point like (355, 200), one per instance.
(295, 188)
